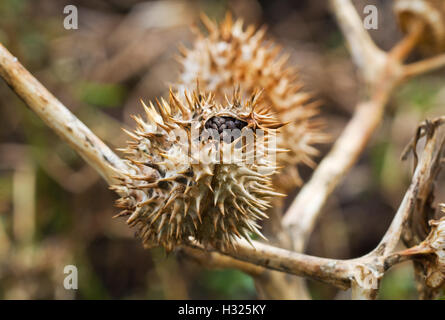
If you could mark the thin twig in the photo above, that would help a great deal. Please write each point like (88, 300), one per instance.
(216, 260)
(387, 74)
(423, 178)
(406, 46)
(424, 66)
(344, 273)
(332, 271)
(306, 207)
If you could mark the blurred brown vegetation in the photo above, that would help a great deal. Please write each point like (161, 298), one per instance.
(56, 211)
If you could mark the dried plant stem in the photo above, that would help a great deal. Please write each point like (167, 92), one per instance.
(331, 271)
(301, 216)
(386, 74)
(304, 210)
(424, 177)
(382, 72)
(424, 66)
(216, 260)
(58, 117)
(353, 272)
(270, 284)
(405, 47)
(367, 56)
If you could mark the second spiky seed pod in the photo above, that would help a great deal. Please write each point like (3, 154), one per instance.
(230, 54)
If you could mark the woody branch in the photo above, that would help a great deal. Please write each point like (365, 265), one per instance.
(103, 160)
(58, 117)
(382, 73)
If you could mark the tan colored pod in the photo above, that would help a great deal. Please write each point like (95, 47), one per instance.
(196, 191)
(429, 12)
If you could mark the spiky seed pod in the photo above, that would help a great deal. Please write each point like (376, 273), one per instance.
(206, 185)
(429, 12)
(231, 54)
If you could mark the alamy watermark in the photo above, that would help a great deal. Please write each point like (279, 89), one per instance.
(70, 282)
(371, 21)
(196, 145)
(71, 21)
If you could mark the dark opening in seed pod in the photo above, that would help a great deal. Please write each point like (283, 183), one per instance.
(227, 128)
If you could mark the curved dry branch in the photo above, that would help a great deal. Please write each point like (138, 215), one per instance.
(335, 272)
(302, 214)
(58, 117)
(424, 66)
(424, 177)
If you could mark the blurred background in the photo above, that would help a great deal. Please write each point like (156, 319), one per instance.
(56, 211)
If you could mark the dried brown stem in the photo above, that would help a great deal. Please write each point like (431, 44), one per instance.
(216, 260)
(406, 46)
(306, 207)
(382, 73)
(335, 272)
(424, 177)
(386, 74)
(58, 117)
(354, 272)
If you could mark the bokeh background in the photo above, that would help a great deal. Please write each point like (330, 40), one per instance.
(56, 211)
